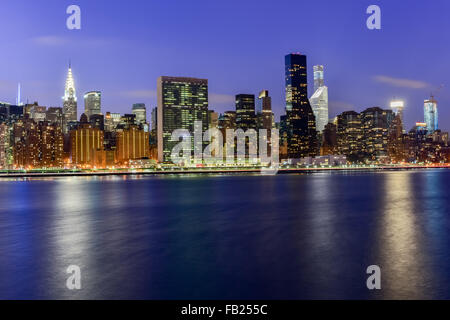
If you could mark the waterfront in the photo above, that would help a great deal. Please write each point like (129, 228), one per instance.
(297, 236)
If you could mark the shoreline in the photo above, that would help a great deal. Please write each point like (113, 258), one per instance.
(212, 171)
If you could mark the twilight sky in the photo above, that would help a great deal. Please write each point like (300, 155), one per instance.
(239, 45)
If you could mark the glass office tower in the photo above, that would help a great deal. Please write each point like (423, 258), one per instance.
(301, 123)
(181, 102)
(431, 115)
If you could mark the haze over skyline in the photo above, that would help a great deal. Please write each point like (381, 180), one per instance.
(239, 46)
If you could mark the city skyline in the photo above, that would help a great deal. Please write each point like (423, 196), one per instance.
(375, 70)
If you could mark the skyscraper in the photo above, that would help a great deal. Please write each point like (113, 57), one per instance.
(92, 103)
(397, 106)
(264, 111)
(69, 100)
(141, 113)
(319, 100)
(350, 135)
(264, 116)
(376, 123)
(431, 115)
(300, 119)
(245, 112)
(181, 102)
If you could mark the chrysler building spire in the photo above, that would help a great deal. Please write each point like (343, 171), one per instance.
(69, 100)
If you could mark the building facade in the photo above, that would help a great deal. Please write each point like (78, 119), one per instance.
(431, 115)
(319, 100)
(92, 103)
(140, 112)
(86, 144)
(300, 119)
(245, 112)
(131, 144)
(181, 102)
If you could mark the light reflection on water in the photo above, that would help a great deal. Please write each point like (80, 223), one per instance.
(227, 237)
(402, 243)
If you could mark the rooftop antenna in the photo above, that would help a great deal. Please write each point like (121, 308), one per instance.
(436, 91)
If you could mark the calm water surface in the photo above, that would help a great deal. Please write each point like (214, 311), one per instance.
(227, 237)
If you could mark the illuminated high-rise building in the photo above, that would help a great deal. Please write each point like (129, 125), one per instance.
(349, 134)
(69, 100)
(376, 123)
(112, 120)
(319, 100)
(431, 115)
(264, 111)
(5, 146)
(227, 121)
(54, 115)
(397, 106)
(38, 113)
(300, 119)
(181, 102)
(132, 144)
(86, 144)
(92, 103)
(245, 112)
(140, 112)
(37, 145)
(264, 116)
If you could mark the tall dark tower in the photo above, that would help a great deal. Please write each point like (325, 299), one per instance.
(245, 112)
(301, 123)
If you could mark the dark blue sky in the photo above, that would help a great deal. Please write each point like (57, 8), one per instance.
(239, 45)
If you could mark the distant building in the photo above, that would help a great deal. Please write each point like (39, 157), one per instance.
(397, 107)
(127, 120)
(329, 140)
(181, 102)
(69, 101)
(350, 135)
(52, 145)
(112, 120)
(54, 115)
(319, 100)
(300, 120)
(140, 112)
(38, 113)
(431, 115)
(37, 145)
(245, 112)
(213, 119)
(226, 121)
(6, 156)
(86, 144)
(92, 103)
(97, 121)
(264, 116)
(264, 111)
(131, 143)
(376, 122)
